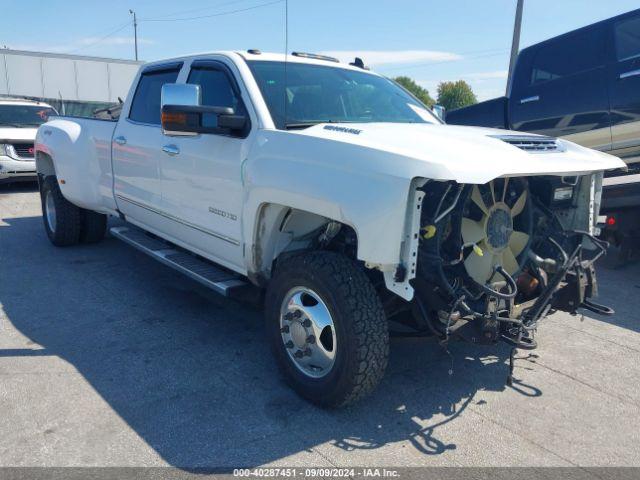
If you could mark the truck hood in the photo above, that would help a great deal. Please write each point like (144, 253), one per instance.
(464, 154)
(11, 133)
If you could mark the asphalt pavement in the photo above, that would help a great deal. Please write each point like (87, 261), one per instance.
(108, 358)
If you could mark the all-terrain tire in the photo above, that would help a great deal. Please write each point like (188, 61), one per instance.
(93, 226)
(362, 338)
(63, 223)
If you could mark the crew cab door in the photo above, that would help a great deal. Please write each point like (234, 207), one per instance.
(624, 82)
(201, 175)
(560, 89)
(136, 150)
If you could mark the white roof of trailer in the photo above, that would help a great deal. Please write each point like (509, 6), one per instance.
(29, 53)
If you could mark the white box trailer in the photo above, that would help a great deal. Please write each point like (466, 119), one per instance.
(74, 84)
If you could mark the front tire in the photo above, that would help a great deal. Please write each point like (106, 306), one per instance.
(327, 328)
(62, 219)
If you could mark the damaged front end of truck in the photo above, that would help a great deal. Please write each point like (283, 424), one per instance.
(493, 260)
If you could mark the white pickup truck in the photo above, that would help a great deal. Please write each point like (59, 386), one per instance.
(338, 195)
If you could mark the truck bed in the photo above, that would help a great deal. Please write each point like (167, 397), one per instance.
(81, 148)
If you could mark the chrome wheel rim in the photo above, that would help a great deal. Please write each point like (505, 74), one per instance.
(50, 211)
(308, 332)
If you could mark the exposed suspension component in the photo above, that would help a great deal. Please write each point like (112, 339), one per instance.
(494, 260)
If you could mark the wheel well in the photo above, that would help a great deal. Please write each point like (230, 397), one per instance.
(44, 165)
(282, 230)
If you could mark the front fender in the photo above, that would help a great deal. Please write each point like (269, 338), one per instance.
(319, 177)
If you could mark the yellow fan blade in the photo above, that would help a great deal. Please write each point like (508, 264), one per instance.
(477, 199)
(504, 190)
(479, 267)
(518, 207)
(509, 262)
(517, 242)
(472, 232)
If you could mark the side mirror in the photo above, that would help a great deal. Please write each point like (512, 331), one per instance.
(183, 113)
(440, 112)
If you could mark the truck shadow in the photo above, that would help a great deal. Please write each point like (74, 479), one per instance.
(18, 187)
(191, 374)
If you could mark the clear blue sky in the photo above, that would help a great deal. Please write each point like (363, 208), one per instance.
(429, 40)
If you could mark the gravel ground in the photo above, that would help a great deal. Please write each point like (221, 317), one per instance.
(108, 358)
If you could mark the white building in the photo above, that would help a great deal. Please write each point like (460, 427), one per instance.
(74, 85)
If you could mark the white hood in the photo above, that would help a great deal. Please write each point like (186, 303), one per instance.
(464, 154)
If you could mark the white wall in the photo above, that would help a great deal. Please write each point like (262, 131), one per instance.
(78, 78)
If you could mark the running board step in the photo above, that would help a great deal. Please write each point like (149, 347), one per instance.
(199, 270)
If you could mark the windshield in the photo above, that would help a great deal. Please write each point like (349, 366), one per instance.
(24, 115)
(319, 94)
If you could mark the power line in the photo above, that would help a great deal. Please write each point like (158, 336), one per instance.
(231, 12)
(120, 28)
(219, 14)
(107, 29)
(193, 10)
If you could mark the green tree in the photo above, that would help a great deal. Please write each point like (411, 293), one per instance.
(419, 92)
(454, 95)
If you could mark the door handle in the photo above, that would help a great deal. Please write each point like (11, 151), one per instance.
(632, 73)
(171, 149)
(535, 98)
(120, 140)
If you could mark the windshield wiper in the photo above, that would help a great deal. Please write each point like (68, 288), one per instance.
(14, 125)
(301, 125)
(296, 126)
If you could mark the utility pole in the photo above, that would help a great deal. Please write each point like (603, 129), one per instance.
(515, 44)
(135, 31)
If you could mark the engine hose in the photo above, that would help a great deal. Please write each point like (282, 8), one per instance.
(448, 210)
(439, 207)
(543, 300)
(459, 301)
(565, 257)
(427, 319)
(511, 284)
(601, 244)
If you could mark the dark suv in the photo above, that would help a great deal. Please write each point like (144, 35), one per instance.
(583, 86)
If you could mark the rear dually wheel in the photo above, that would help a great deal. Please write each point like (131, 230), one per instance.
(62, 219)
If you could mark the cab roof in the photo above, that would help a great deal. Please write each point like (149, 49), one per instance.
(296, 57)
(266, 57)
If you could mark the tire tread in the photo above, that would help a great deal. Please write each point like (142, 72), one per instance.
(68, 216)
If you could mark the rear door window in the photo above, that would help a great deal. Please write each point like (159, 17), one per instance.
(568, 56)
(145, 107)
(627, 34)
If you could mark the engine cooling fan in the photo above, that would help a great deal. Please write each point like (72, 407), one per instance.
(489, 226)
